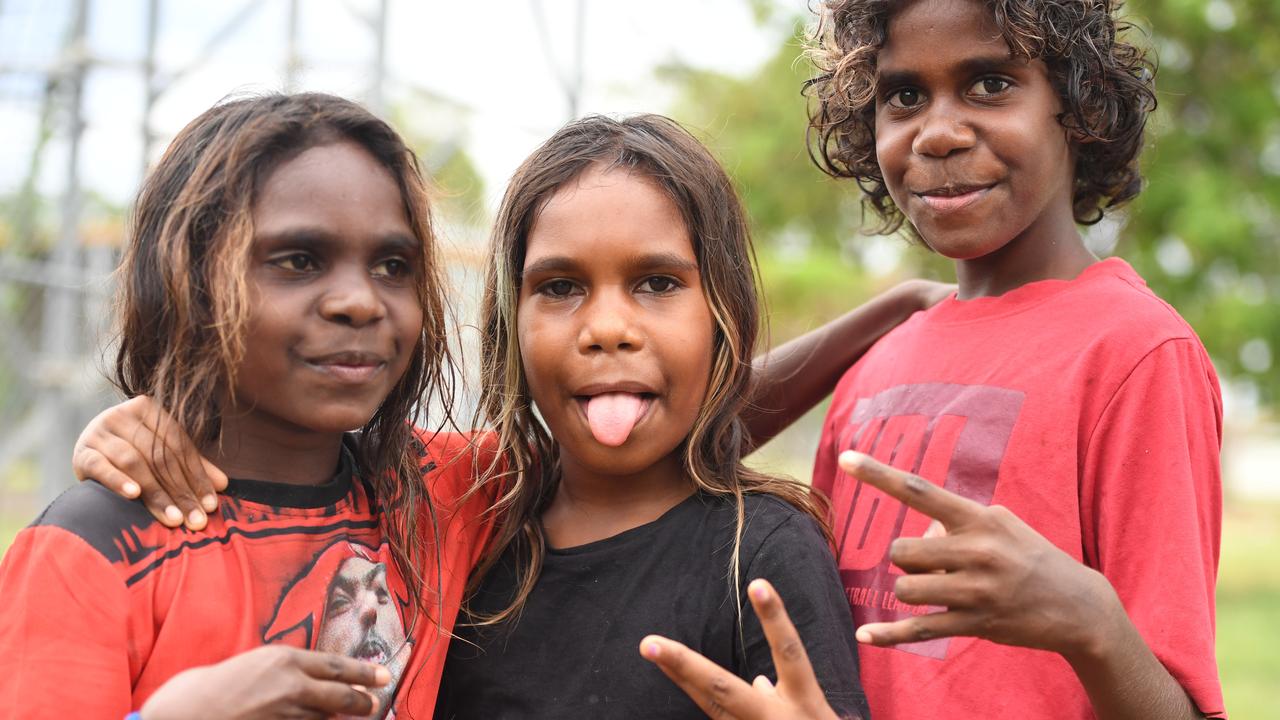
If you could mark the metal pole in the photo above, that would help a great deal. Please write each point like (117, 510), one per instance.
(58, 336)
(151, 88)
(377, 92)
(292, 62)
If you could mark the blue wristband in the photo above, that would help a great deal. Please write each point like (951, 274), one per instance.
(133, 716)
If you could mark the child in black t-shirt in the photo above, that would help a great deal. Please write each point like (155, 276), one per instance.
(621, 302)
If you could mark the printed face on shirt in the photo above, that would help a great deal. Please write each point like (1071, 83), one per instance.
(967, 135)
(361, 620)
(336, 313)
(615, 334)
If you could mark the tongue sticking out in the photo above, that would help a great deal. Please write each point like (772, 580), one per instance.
(612, 415)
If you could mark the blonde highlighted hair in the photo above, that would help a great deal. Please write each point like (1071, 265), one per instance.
(183, 303)
(526, 472)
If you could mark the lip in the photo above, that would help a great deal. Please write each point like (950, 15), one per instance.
(348, 366)
(954, 197)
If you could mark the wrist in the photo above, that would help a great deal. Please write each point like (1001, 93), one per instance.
(1103, 628)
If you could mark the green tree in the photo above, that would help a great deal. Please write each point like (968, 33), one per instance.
(1205, 233)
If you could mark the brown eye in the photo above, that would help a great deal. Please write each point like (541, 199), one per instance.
(556, 288)
(905, 98)
(295, 262)
(392, 269)
(990, 86)
(658, 284)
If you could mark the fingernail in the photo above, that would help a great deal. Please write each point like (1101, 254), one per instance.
(173, 514)
(196, 518)
(209, 502)
(382, 676)
(758, 590)
(652, 650)
(131, 489)
(863, 635)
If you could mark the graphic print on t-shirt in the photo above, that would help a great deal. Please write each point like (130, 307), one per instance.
(952, 435)
(342, 604)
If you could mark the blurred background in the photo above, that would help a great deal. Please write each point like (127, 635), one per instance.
(91, 91)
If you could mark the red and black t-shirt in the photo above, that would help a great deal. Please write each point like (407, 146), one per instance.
(102, 604)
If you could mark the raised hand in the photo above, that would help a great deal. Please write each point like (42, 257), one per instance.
(721, 694)
(270, 682)
(998, 578)
(137, 449)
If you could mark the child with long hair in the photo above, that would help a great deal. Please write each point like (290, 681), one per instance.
(619, 325)
(280, 289)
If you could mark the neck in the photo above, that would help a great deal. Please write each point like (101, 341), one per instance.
(590, 505)
(256, 449)
(1056, 252)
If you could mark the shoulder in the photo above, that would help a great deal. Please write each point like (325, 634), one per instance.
(770, 524)
(449, 460)
(103, 520)
(1115, 301)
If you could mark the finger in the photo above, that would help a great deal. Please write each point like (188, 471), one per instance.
(950, 590)
(919, 555)
(789, 657)
(92, 465)
(167, 469)
(764, 685)
(190, 465)
(919, 628)
(328, 666)
(915, 491)
(719, 693)
(329, 697)
(125, 457)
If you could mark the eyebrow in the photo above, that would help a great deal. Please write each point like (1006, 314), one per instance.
(321, 239)
(968, 67)
(640, 263)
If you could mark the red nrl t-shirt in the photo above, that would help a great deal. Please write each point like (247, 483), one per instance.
(102, 605)
(1087, 407)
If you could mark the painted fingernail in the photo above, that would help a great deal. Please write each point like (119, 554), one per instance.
(173, 514)
(759, 591)
(196, 518)
(209, 502)
(131, 489)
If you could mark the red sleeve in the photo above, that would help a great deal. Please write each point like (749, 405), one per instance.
(1151, 505)
(63, 630)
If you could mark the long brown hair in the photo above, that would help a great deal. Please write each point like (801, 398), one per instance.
(525, 476)
(183, 302)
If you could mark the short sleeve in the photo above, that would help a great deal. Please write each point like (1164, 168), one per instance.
(63, 629)
(795, 558)
(1151, 507)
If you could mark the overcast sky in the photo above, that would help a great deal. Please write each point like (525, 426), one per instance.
(488, 59)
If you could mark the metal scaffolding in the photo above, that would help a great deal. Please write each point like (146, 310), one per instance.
(53, 295)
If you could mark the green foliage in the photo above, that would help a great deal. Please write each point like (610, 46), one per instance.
(1213, 167)
(1205, 233)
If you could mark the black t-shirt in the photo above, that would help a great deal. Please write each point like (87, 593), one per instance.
(573, 652)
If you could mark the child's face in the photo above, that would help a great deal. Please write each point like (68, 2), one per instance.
(615, 334)
(336, 312)
(967, 136)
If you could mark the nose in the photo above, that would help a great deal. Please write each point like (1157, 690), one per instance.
(944, 130)
(368, 609)
(609, 324)
(352, 298)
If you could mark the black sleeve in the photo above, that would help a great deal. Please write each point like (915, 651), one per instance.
(794, 557)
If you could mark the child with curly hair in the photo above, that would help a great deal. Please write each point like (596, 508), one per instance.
(1058, 422)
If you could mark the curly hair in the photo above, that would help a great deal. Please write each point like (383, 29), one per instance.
(1105, 85)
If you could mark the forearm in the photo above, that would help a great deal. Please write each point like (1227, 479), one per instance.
(1123, 678)
(795, 376)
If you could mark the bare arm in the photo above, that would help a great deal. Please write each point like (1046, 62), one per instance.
(797, 375)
